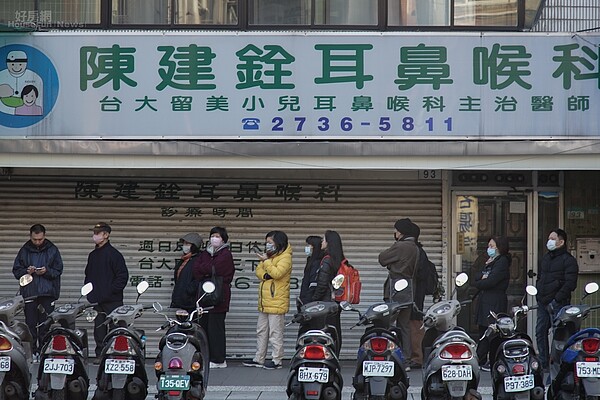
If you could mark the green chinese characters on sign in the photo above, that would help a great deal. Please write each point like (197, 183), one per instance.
(113, 63)
(578, 67)
(501, 66)
(188, 68)
(344, 63)
(423, 65)
(252, 72)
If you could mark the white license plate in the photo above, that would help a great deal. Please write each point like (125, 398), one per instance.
(4, 364)
(174, 382)
(518, 383)
(378, 368)
(308, 374)
(119, 366)
(457, 373)
(59, 366)
(588, 369)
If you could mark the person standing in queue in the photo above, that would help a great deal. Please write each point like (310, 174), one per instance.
(107, 271)
(314, 255)
(186, 287)
(274, 273)
(217, 255)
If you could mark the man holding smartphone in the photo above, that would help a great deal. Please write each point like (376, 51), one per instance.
(40, 258)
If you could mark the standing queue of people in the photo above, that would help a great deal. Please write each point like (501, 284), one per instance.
(107, 271)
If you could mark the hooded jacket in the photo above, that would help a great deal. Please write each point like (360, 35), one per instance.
(274, 275)
(557, 277)
(47, 256)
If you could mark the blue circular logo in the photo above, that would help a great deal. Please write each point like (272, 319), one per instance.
(28, 86)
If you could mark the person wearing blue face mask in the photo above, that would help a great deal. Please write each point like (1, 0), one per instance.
(314, 255)
(556, 280)
(492, 283)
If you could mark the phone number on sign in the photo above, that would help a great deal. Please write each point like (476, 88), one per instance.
(347, 124)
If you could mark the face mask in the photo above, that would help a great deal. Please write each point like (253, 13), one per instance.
(551, 245)
(97, 238)
(186, 248)
(216, 242)
(270, 247)
(308, 250)
(491, 252)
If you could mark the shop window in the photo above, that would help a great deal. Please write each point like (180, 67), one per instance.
(141, 12)
(46, 14)
(346, 12)
(532, 11)
(485, 13)
(418, 13)
(207, 12)
(280, 12)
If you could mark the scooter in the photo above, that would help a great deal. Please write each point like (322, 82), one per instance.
(62, 373)
(451, 369)
(182, 364)
(15, 348)
(380, 372)
(516, 371)
(122, 371)
(575, 355)
(315, 368)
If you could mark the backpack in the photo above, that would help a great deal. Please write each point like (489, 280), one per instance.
(350, 289)
(426, 274)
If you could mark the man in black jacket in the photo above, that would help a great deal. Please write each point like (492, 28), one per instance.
(41, 259)
(557, 279)
(107, 271)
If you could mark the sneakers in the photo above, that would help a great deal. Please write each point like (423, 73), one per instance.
(271, 365)
(252, 363)
(218, 365)
(485, 367)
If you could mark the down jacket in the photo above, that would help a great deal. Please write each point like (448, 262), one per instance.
(274, 275)
(557, 277)
(492, 283)
(46, 256)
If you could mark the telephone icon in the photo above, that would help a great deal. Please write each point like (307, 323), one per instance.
(250, 124)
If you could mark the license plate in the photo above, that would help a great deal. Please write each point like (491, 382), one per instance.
(59, 366)
(588, 369)
(378, 368)
(174, 382)
(4, 364)
(518, 383)
(119, 366)
(308, 374)
(457, 373)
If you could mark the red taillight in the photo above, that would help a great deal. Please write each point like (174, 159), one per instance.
(312, 392)
(379, 344)
(59, 343)
(456, 351)
(591, 345)
(175, 363)
(5, 344)
(174, 393)
(518, 369)
(313, 352)
(121, 343)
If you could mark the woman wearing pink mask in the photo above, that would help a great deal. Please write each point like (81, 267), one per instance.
(217, 253)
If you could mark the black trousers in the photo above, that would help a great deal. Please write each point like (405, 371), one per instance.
(483, 347)
(33, 317)
(101, 330)
(214, 325)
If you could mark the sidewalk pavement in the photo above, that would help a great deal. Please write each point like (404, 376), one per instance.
(237, 382)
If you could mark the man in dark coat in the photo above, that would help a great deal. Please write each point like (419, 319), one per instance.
(557, 279)
(41, 259)
(107, 271)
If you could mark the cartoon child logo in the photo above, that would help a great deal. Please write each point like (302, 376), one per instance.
(25, 94)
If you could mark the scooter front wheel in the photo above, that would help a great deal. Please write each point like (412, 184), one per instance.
(118, 394)
(59, 394)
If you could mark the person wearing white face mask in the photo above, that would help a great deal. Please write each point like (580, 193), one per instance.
(556, 280)
(184, 291)
(314, 255)
(217, 255)
(107, 271)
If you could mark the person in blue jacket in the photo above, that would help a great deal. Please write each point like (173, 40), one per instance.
(40, 258)
(107, 271)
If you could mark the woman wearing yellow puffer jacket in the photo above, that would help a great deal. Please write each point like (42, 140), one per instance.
(274, 272)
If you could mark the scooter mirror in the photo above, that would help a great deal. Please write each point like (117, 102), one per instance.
(25, 280)
(531, 290)
(337, 281)
(400, 285)
(346, 306)
(91, 315)
(142, 287)
(157, 306)
(461, 279)
(208, 287)
(87, 289)
(591, 287)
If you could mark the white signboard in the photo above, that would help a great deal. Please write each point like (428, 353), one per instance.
(237, 85)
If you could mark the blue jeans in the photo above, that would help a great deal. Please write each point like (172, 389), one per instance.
(544, 323)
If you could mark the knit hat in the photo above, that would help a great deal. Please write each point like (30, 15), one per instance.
(406, 227)
(192, 238)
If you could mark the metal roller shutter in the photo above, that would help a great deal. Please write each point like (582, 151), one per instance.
(148, 215)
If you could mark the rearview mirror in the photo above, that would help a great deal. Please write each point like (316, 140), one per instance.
(142, 287)
(25, 280)
(337, 281)
(591, 287)
(87, 289)
(461, 279)
(208, 287)
(531, 290)
(345, 305)
(400, 285)
(157, 306)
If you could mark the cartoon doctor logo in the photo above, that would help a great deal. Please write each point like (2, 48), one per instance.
(28, 86)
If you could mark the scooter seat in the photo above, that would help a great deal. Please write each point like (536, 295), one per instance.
(454, 334)
(315, 336)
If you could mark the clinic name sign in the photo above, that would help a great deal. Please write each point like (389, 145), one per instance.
(299, 86)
